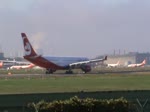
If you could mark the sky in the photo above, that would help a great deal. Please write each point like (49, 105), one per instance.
(86, 28)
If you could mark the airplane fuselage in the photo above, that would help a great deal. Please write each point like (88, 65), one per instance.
(56, 62)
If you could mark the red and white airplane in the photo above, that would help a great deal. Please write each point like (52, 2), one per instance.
(22, 66)
(138, 65)
(56, 63)
(1, 64)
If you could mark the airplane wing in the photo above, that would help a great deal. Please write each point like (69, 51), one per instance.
(89, 61)
(7, 61)
(22, 62)
(14, 62)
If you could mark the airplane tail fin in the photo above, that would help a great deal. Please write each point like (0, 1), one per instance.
(1, 64)
(31, 65)
(118, 62)
(144, 62)
(28, 49)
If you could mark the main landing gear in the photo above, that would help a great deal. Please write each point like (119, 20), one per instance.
(69, 72)
(49, 71)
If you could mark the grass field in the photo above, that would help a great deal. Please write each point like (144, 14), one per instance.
(15, 90)
(75, 83)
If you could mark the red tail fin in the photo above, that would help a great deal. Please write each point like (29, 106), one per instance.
(31, 65)
(1, 64)
(118, 62)
(144, 62)
(29, 51)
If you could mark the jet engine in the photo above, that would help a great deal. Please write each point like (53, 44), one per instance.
(86, 68)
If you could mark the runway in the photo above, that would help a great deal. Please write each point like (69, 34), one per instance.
(4, 74)
(38, 76)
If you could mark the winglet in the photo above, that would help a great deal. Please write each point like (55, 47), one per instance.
(105, 58)
(29, 51)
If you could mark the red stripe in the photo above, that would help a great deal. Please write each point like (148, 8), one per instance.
(42, 62)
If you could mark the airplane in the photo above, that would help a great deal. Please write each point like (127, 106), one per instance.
(138, 65)
(8, 63)
(1, 64)
(113, 64)
(29, 66)
(52, 63)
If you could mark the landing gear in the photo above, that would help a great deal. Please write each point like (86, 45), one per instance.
(49, 71)
(69, 72)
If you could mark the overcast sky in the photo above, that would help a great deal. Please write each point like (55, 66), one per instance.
(75, 27)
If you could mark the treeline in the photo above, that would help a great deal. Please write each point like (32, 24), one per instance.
(76, 104)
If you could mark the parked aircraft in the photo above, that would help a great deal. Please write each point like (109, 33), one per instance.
(22, 66)
(8, 63)
(113, 64)
(1, 64)
(138, 65)
(56, 63)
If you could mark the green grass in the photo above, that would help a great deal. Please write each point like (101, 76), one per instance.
(75, 83)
